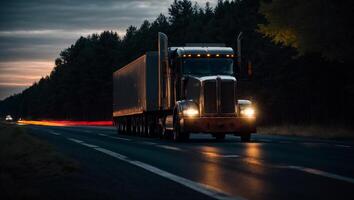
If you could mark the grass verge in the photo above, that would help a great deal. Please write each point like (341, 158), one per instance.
(316, 131)
(26, 162)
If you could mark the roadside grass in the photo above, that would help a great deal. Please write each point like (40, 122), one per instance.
(315, 131)
(26, 162)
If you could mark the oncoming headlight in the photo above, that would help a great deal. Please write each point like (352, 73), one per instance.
(246, 109)
(190, 112)
(247, 112)
(190, 109)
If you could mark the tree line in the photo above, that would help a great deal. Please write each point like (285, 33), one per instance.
(301, 68)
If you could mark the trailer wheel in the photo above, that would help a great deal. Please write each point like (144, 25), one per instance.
(133, 126)
(142, 126)
(138, 126)
(149, 130)
(118, 125)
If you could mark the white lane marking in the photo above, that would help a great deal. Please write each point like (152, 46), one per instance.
(321, 173)
(54, 133)
(212, 154)
(89, 145)
(202, 188)
(119, 138)
(149, 143)
(341, 145)
(112, 153)
(169, 147)
(75, 140)
(82, 142)
(199, 187)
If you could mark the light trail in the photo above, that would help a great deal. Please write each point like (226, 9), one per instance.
(64, 123)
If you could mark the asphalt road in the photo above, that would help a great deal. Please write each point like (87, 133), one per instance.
(269, 167)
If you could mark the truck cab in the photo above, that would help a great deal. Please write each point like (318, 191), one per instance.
(205, 94)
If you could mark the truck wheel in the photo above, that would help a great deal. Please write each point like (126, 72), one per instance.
(164, 134)
(148, 130)
(220, 136)
(139, 127)
(177, 134)
(119, 128)
(246, 137)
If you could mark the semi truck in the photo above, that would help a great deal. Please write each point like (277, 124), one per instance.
(176, 91)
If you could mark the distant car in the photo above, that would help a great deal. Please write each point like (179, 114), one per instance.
(9, 118)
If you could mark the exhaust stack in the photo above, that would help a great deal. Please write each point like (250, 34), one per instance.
(164, 71)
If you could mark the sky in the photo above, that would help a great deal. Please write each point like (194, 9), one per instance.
(34, 32)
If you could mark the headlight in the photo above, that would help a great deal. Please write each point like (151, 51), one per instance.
(246, 109)
(190, 109)
(247, 112)
(191, 112)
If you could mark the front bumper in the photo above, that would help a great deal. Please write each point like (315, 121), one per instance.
(234, 125)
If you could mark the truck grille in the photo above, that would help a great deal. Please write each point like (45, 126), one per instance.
(227, 98)
(222, 91)
(210, 99)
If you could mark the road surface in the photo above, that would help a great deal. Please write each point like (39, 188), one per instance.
(270, 167)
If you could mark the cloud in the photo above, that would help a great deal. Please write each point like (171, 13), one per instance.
(33, 33)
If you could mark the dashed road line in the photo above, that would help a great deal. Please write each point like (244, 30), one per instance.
(89, 145)
(113, 137)
(204, 188)
(169, 147)
(149, 143)
(119, 138)
(341, 145)
(321, 173)
(196, 186)
(54, 133)
(75, 140)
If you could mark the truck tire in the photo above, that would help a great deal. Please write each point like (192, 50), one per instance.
(246, 137)
(177, 134)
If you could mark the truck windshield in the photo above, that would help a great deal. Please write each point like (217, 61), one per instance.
(208, 66)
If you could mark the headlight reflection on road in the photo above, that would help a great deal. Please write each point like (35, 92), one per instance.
(253, 150)
(210, 171)
(214, 173)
